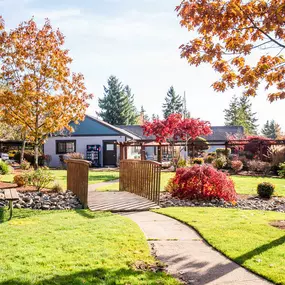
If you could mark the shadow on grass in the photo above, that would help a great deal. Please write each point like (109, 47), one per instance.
(28, 213)
(241, 259)
(97, 276)
(92, 215)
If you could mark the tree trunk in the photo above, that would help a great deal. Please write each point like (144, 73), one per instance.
(36, 164)
(22, 156)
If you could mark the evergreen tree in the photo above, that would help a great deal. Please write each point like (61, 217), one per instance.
(240, 113)
(231, 114)
(131, 113)
(173, 103)
(117, 106)
(271, 130)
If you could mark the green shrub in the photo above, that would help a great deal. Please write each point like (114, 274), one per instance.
(220, 162)
(198, 160)
(20, 180)
(181, 163)
(246, 154)
(25, 165)
(281, 172)
(223, 152)
(4, 168)
(210, 157)
(265, 190)
(39, 178)
(57, 187)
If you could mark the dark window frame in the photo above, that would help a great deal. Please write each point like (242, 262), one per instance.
(64, 141)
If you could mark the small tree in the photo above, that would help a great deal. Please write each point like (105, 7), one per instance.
(175, 128)
(271, 130)
(173, 103)
(41, 94)
(240, 113)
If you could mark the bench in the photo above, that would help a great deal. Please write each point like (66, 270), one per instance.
(11, 195)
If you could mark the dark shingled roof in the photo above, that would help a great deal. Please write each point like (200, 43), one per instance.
(220, 133)
(136, 130)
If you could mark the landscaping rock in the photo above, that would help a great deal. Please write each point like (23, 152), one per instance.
(276, 204)
(45, 201)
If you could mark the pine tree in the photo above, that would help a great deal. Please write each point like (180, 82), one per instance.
(231, 114)
(240, 113)
(173, 103)
(131, 113)
(117, 105)
(271, 130)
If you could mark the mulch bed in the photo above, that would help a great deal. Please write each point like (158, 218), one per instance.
(245, 202)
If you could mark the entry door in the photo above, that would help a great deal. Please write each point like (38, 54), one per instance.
(109, 153)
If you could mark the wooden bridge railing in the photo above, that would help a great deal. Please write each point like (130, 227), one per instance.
(141, 178)
(77, 179)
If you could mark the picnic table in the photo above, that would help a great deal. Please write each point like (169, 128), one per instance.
(11, 195)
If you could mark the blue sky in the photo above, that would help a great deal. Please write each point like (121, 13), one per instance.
(138, 41)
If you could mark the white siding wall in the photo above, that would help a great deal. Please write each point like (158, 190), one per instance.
(81, 143)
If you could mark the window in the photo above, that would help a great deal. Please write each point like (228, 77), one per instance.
(63, 147)
(109, 147)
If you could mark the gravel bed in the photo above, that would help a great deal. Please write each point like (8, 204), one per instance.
(44, 201)
(244, 202)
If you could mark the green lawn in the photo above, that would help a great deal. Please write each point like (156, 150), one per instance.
(243, 184)
(248, 185)
(72, 248)
(60, 177)
(244, 236)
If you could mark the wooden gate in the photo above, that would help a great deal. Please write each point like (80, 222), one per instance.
(141, 178)
(77, 179)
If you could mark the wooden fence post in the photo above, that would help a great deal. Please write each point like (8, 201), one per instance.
(141, 177)
(159, 156)
(77, 179)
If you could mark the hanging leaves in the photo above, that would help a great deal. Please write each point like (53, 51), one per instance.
(228, 32)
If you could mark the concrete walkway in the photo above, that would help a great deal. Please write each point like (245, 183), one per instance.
(187, 256)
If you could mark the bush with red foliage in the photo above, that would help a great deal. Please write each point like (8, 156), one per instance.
(202, 182)
(236, 165)
(257, 144)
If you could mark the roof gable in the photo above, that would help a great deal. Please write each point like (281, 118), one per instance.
(93, 127)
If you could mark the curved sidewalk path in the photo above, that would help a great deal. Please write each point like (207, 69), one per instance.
(187, 256)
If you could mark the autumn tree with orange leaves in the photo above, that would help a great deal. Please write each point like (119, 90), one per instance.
(243, 40)
(40, 93)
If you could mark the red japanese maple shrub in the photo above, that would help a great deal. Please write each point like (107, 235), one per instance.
(236, 165)
(202, 182)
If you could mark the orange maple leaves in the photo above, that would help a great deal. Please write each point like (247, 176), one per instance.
(229, 33)
(41, 94)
